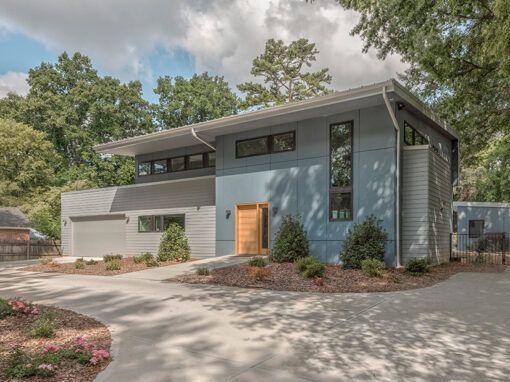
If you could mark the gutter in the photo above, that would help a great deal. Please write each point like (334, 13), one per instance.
(397, 177)
(194, 133)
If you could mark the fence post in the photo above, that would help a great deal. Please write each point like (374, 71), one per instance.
(28, 249)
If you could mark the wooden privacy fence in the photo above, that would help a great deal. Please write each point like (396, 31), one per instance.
(11, 250)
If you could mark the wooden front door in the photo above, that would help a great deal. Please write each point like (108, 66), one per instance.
(252, 229)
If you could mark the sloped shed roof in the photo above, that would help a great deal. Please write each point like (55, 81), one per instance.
(12, 217)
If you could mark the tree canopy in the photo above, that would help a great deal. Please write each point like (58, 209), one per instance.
(201, 98)
(281, 66)
(459, 61)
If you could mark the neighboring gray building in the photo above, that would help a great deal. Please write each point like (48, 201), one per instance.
(333, 160)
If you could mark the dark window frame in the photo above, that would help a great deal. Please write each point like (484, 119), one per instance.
(415, 135)
(476, 235)
(150, 167)
(158, 160)
(161, 219)
(206, 159)
(177, 157)
(271, 142)
(270, 148)
(341, 190)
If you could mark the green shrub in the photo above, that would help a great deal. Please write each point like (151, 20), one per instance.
(290, 241)
(108, 258)
(373, 267)
(91, 262)
(152, 263)
(416, 267)
(257, 261)
(79, 264)
(395, 278)
(367, 241)
(174, 244)
(6, 309)
(45, 326)
(113, 265)
(143, 258)
(203, 272)
(309, 267)
(45, 260)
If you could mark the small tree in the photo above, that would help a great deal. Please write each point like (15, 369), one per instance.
(367, 241)
(174, 244)
(290, 242)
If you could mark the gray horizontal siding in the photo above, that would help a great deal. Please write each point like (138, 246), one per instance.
(194, 198)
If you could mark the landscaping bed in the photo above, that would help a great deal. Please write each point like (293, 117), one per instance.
(68, 354)
(283, 276)
(127, 265)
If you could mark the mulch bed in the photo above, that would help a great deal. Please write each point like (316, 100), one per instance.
(335, 280)
(71, 325)
(128, 265)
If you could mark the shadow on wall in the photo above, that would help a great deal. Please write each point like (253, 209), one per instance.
(302, 189)
(318, 336)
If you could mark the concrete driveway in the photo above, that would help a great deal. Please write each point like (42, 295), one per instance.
(458, 330)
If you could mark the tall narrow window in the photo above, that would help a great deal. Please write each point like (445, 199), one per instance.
(340, 172)
(211, 159)
(476, 228)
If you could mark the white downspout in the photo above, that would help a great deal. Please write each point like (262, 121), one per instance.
(194, 133)
(397, 176)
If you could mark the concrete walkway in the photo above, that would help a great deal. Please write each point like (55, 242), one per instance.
(458, 330)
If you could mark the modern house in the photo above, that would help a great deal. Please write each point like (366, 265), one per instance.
(482, 219)
(14, 225)
(333, 160)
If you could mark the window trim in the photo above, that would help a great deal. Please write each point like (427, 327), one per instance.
(271, 142)
(170, 170)
(158, 160)
(268, 150)
(473, 235)
(150, 168)
(341, 190)
(407, 124)
(161, 218)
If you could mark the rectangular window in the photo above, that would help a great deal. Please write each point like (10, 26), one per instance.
(195, 161)
(252, 147)
(144, 168)
(340, 172)
(170, 219)
(177, 164)
(476, 228)
(211, 159)
(283, 142)
(144, 223)
(159, 166)
(412, 137)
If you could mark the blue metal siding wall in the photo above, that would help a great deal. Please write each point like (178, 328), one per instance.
(497, 219)
(298, 182)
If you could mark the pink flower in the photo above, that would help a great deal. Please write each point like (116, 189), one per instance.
(90, 345)
(101, 354)
(94, 360)
(80, 340)
(51, 348)
(35, 311)
(28, 365)
(180, 258)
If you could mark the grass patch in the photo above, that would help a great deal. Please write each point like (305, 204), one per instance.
(203, 272)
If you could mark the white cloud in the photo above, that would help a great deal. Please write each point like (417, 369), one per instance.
(13, 82)
(222, 36)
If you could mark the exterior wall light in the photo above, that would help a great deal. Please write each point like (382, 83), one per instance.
(127, 219)
(275, 210)
(228, 213)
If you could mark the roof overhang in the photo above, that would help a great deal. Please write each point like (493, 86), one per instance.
(481, 204)
(363, 97)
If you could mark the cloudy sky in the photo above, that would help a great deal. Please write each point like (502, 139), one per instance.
(145, 39)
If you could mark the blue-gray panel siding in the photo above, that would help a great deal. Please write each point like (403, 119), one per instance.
(297, 182)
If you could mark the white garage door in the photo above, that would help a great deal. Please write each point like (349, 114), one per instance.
(98, 236)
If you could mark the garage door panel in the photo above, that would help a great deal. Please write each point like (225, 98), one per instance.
(98, 236)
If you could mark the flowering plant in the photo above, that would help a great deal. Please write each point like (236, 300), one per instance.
(16, 305)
